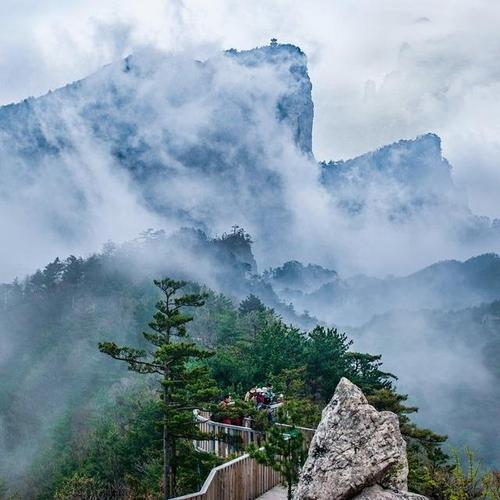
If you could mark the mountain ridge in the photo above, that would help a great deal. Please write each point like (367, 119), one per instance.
(161, 141)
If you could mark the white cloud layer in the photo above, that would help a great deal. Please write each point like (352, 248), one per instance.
(380, 70)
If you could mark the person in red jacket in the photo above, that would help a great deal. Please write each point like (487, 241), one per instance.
(224, 405)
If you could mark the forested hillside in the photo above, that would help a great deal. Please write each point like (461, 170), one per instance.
(73, 420)
(461, 349)
(52, 372)
(52, 321)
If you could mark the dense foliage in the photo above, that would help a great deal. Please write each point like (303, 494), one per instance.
(185, 384)
(76, 424)
(113, 449)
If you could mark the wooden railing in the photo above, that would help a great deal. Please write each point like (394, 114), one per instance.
(239, 479)
(307, 433)
(225, 439)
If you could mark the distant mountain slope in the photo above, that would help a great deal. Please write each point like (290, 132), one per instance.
(416, 164)
(448, 362)
(165, 141)
(159, 141)
(117, 104)
(406, 182)
(293, 276)
(437, 328)
(445, 285)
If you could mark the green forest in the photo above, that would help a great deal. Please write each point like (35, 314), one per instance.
(99, 432)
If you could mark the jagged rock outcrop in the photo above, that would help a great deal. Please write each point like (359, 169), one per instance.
(295, 105)
(355, 451)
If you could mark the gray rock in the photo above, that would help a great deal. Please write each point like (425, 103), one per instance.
(379, 493)
(355, 447)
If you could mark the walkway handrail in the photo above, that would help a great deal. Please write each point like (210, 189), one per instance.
(237, 437)
(247, 435)
(205, 420)
(240, 479)
(210, 478)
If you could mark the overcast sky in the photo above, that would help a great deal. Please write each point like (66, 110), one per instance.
(381, 70)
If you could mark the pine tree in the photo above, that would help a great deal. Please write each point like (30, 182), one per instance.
(250, 304)
(283, 451)
(185, 382)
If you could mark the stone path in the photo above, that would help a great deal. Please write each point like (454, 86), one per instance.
(277, 493)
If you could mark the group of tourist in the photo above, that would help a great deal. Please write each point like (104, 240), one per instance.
(263, 398)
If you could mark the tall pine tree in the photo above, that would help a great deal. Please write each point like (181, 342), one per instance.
(185, 383)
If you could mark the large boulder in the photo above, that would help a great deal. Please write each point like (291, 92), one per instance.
(355, 448)
(378, 493)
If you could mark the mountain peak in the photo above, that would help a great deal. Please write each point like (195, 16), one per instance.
(398, 159)
(197, 143)
(429, 138)
(272, 52)
(412, 173)
(296, 106)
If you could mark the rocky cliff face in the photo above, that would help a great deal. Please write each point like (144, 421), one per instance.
(187, 109)
(162, 140)
(295, 106)
(357, 452)
(407, 181)
(401, 178)
(418, 163)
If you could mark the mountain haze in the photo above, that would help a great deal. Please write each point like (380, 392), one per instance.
(212, 163)
(165, 141)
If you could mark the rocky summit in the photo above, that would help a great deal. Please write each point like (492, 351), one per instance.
(357, 452)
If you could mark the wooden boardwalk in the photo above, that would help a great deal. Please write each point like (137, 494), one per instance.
(277, 493)
(241, 478)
